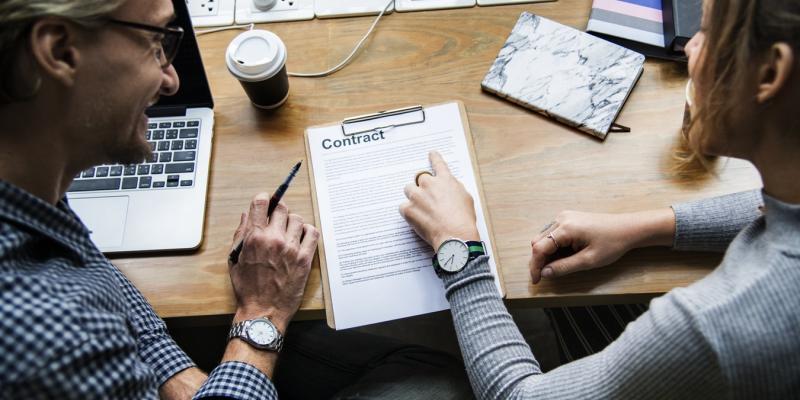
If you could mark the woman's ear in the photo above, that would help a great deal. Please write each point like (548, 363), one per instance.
(53, 47)
(774, 72)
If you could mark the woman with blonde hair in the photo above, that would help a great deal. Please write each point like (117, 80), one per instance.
(733, 334)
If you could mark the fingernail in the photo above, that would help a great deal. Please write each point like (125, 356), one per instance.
(547, 272)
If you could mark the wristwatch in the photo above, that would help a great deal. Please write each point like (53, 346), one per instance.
(260, 333)
(454, 254)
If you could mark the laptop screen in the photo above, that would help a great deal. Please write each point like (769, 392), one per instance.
(194, 89)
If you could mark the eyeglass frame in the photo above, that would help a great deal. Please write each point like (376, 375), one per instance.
(168, 32)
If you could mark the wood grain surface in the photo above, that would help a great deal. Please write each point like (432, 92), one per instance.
(531, 167)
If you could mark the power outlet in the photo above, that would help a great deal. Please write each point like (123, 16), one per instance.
(504, 2)
(212, 12)
(284, 10)
(351, 8)
(203, 8)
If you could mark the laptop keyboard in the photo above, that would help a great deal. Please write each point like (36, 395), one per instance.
(171, 165)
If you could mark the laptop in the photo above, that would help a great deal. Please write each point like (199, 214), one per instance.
(159, 204)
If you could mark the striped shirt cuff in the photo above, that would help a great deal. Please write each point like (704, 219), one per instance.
(164, 356)
(237, 380)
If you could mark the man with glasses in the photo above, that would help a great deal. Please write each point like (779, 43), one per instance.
(76, 77)
(75, 80)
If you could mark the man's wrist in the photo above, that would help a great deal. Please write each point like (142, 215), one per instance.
(279, 319)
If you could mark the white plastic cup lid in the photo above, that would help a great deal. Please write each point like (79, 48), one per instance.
(255, 55)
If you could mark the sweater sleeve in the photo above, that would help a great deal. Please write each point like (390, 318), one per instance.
(711, 224)
(661, 354)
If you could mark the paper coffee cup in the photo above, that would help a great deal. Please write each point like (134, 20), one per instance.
(257, 58)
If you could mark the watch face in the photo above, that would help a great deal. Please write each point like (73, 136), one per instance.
(453, 255)
(261, 332)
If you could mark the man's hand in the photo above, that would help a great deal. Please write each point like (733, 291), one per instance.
(440, 208)
(273, 267)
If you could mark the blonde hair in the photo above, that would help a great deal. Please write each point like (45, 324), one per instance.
(739, 33)
(16, 19)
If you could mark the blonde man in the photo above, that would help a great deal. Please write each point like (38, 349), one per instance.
(76, 77)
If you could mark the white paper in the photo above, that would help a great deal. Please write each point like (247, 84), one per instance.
(378, 268)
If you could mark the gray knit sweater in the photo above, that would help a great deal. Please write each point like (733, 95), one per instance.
(733, 334)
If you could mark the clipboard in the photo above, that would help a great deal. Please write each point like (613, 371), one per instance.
(378, 122)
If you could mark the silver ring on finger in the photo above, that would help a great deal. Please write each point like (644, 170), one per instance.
(419, 174)
(553, 238)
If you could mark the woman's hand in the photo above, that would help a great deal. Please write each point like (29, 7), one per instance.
(440, 208)
(596, 239)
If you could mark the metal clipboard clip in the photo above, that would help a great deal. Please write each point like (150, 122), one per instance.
(371, 122)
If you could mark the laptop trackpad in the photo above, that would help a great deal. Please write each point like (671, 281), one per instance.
(105, 217)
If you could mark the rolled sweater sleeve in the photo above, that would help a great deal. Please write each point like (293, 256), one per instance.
(654, 352)
(712, 224)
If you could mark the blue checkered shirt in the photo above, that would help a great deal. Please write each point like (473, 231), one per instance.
(73, 327)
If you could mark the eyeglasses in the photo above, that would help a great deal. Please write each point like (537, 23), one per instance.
(171, 38)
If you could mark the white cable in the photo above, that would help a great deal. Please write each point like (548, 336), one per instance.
(349, 57)
(225, 28)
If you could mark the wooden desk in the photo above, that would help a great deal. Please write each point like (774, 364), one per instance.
(531, 167)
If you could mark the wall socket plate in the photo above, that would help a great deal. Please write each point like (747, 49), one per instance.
(423, 5)
(284, 10)
(501, 2)
(350, 8)
(211, 12)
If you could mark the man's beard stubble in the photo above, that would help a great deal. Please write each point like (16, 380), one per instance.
(133, 151)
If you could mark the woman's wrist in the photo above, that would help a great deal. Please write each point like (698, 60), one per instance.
(466, 235)
(653, 228)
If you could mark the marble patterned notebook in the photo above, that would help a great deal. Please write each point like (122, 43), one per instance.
(566, 74)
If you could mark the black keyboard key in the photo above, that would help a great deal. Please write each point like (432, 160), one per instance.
(157, 169)
(172, 133)
(177, 145)
(152, 125)
(158, 135)
(189, 133)
(148, 134)
(153, 157)
(116, 170)
(180, 168)
(158, 184)
(193, 123)
(173, 178)
(89, 173)
(130, 170)
(186, 183)
(144, 170)
(145, 181)
(190, 144)
(165, 125)
(152, 146)
(165, 157)
(130, 183)
(102, 172)
(184, 156)
(95, 184)
(179, 124)
(163, 146)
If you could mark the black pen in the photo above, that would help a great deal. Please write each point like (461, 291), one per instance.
(273, 202)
